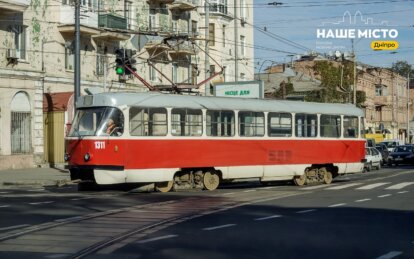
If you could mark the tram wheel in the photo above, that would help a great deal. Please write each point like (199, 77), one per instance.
(327, 176)
(300, 180)
(211, 180)
(164, 186)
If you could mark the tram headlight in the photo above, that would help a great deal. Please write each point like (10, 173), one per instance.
(87, 157)
(66, 157)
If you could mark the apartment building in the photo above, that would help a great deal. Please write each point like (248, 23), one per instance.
(169, 37)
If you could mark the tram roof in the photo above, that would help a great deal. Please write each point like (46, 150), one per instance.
(152, 99)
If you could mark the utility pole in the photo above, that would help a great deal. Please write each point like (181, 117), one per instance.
(355, 70)
(408, 107)
(77, 52)
(207, 46)
(236, 43)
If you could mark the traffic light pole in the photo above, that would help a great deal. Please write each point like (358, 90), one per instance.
(77, 53)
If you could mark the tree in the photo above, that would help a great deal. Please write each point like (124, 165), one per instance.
(402, 68)
(336, 82)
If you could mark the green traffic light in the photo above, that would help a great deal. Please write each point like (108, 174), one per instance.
(120, 70)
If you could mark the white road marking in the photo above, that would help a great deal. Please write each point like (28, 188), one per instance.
(218, 227)
(36, 190)
(336, 205)
(268, 188)
(229, 193)
(314, 187)
(305, 211)
(399, 186)
(14, 227)
(4, 192)
(269, 217)
(389, 255)
(250, 191)
(42, 202)
(4, 206)
(371, 186)
(340, 187)
(362, 200)
(385, 195)
(156, 239)
(403, 192)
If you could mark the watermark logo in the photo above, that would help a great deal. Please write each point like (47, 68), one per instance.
(358, 27)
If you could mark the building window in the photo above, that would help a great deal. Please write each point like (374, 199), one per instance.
(153, 74)
(211, 36)
(194, 74)
(175, 73)
(20, 41)
(218, 6)
(194, 28)
(20, 124)
(128, 14)
(242, 76)
(242, 9)
(152, 19)
(242, 45)
(100, 64)
(69, 59)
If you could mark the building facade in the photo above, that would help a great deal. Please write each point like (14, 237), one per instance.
(168, 37)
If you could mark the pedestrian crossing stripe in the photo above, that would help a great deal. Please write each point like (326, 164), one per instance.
(362, 187)
(371, 186)
(399, 186)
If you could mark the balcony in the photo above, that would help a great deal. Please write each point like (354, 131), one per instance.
(13, 5)
(183, 5)
(155, 44)
(112, 21)
(88, 18)
(184, 48)
(382, 100)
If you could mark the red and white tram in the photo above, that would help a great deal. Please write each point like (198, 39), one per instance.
(178, 141)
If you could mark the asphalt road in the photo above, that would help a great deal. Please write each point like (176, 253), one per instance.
(362, 216)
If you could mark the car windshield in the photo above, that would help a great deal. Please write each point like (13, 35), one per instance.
(93, 121)
(389, 144)
(403, 149)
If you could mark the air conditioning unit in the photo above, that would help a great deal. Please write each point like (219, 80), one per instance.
(243, 20)
(11, 54)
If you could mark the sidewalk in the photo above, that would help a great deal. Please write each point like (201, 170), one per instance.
(34, 176)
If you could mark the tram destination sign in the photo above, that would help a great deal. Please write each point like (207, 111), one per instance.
(245, 89)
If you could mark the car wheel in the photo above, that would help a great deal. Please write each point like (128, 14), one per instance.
(379, 166)
(369, 167)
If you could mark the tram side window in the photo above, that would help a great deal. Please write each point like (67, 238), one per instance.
(148, 121)
(220, 123)
(350, 127)
(251, 124)
(330, 126)
(279, 124)
(186, 122)
(306, 125)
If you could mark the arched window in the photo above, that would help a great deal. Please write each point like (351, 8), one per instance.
(20, 124)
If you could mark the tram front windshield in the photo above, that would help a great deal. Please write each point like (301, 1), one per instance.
(94, 122)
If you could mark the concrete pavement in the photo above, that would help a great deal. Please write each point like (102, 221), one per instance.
(34, 176)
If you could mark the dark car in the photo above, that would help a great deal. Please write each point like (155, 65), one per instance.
(384, 152)
(402, 155)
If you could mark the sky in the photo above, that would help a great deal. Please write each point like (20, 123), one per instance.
(289, 29)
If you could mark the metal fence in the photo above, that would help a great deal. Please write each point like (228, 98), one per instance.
(20, 132)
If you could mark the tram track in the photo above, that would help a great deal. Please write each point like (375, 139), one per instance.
(78, 237)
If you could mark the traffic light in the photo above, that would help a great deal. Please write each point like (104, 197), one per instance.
(120, 61)
(130, 61)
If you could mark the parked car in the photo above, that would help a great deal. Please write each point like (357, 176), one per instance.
(384, 152)
(391, 144)
(373, 159)
(402, 155)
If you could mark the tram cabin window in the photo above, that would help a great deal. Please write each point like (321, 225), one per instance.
(279, 124)
(148, 121)
(306, 125)
(330, 126)
(186, 122)
(251, 124)
(220, 123)
(350, 127)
